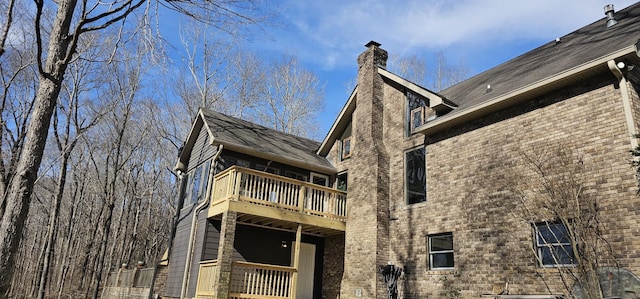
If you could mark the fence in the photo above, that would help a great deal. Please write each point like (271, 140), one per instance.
(133, 278)
(129, 284)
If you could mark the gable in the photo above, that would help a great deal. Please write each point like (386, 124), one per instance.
(202, 149)
(212, 128)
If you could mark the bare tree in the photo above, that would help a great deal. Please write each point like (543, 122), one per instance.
(74, 116)
(440, 76)
(205, 58)
(549, 189)
(18, 74)
(8, 20)
(246, 79)
(445, 75)
(412, 68)
(73, 19)
(292, 97)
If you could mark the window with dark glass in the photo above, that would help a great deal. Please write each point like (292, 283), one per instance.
(416, 107)
(198, 182)
(341, 181)
(415, 176)
(346, 148)
(266, 168)
(441, 251)
(295, 175)
(553, 244)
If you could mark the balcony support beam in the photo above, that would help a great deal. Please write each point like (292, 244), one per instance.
(280, 214)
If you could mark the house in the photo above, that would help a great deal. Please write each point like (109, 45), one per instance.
(434, 183)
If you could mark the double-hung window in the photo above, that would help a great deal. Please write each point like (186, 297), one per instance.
(553, 244)
(440, 251)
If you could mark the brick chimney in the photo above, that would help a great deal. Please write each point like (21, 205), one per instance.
(379, 55)
(367, 233)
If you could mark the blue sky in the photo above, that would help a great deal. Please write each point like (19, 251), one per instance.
(328, 35)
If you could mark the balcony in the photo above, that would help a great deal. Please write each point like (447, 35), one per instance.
(248, 280)
(270, 200)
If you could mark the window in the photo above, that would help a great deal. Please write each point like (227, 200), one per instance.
(416, 109)
(198, 180)
(295, 175)
(341, 181)
(441, 251)
(417, 117)
(266, 168)
(415, 176)
(553, 245)
(229, 161)
(320, 179)
(346, 148)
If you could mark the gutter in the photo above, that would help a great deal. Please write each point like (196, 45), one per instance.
(520, 94)
(618, 69)
(198, 209)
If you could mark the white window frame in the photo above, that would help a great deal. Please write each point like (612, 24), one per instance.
(319, 175)
(542, 244)
(432, 252)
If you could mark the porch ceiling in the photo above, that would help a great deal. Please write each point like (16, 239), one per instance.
(284, 225)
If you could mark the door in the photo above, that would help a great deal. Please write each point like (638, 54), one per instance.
(320, 179)
(318, 199)
(306, 268)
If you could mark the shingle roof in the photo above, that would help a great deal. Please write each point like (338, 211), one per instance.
(577, 48)
(250, 138)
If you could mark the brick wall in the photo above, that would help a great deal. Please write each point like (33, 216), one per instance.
(333, 266)
(367, 199)
(492, 247)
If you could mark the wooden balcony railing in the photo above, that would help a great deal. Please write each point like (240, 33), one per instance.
(248, 280)
(206, 284)
(260, 281)
(261, 188)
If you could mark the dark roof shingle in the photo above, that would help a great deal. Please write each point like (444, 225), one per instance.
(244, 135)
(577, 48)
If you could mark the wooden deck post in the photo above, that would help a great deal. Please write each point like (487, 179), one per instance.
(302, 197)
(296, 261)
(237, 177)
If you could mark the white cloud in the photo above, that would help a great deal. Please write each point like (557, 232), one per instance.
(334, 31)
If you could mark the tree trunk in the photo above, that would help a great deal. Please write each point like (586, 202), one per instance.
(18, 196)
(103, 248)
(53, 223)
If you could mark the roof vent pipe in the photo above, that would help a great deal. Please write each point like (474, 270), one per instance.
(608, 10)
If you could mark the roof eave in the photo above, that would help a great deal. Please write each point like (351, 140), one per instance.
(526, 92)
(344, 117)
(281, 159)
(183, 157)
(436, 101)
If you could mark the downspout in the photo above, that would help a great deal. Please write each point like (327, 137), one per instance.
(626, 101)
(198, 209)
